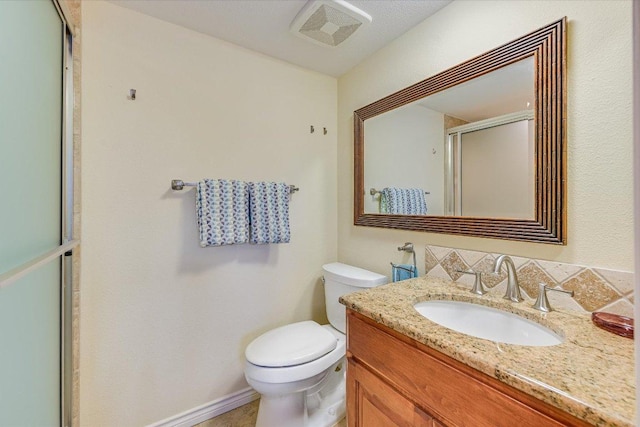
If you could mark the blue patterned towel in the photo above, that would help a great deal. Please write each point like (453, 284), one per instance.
(403, 201)
(269, 212)
(403, 271)
(222, 207)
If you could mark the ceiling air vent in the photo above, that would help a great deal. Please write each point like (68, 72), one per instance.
(328, 22)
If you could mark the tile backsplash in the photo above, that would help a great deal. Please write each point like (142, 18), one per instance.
(595, 289)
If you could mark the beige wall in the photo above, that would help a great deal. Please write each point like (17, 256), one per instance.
(164, 322)
(599, 124)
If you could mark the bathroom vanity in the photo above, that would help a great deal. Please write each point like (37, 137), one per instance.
(405, 370)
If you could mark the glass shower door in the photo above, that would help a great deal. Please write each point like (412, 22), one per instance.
(32, 35)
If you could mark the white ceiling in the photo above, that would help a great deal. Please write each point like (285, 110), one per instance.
(506, 90)
(263, 26)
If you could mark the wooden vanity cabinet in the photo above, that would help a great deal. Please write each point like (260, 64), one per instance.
(380, 405)
(393, 380)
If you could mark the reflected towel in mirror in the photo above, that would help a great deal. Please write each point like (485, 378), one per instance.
(403, 201)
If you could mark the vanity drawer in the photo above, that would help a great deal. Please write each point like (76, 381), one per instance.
(452, 392)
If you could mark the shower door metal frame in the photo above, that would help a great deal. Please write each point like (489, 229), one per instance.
(67, 285)
(453, 155)
(67, 242)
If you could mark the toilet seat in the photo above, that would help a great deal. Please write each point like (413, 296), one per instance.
(299, 372)
(291, 345)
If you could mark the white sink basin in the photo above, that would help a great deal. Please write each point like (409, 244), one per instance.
(487, 323)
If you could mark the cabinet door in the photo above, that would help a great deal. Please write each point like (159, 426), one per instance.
(373, 403)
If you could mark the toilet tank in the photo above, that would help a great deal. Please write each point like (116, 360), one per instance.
(341, 279)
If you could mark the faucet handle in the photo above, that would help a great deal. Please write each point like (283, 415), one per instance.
(478, 287)
(542, 303)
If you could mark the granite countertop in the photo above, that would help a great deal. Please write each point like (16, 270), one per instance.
(591, 375)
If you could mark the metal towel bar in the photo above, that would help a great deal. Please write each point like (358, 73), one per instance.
(373, 192)
(178, 184)
(402, 268)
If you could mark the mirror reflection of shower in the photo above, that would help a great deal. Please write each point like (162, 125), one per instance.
(489, 170)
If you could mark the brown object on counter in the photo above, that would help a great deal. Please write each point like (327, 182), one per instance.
(614, 323)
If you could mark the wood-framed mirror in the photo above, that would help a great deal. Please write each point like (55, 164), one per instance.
(540, 58)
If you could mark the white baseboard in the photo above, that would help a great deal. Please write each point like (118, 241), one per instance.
(209, 410)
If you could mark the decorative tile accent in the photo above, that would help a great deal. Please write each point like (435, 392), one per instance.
(485, 266)
(594, 288)
(530, 276)
(500, 289)
(562, 301)
(621, 307)
(439, 272)
(590, 290)
(621, 280)
(439, 252)
(467, 280)
(471, 257)
(517, 261)
(559, 271)
(430, 260)
(453, 262)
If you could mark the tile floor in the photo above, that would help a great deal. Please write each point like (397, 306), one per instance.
(244, 416)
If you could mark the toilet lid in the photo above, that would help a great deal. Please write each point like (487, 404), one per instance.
(291, 345)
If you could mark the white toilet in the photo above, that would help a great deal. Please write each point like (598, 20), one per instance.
(299, 368)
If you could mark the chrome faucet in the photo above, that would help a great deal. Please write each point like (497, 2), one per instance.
(513, 288)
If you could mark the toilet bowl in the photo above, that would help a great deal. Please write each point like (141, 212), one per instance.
(299, 368)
